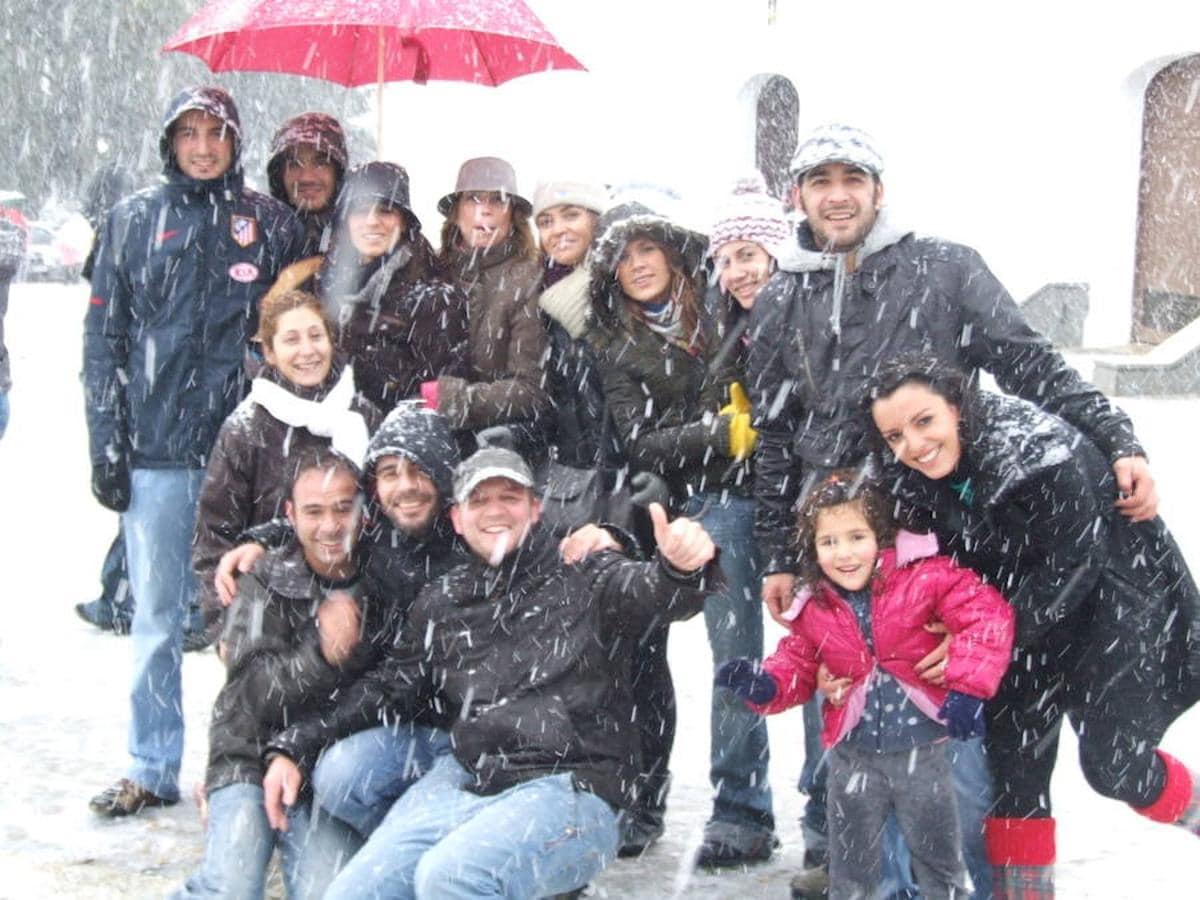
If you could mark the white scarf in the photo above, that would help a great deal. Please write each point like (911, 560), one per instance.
(330, 417)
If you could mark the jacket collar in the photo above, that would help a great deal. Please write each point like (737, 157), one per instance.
(804, 256)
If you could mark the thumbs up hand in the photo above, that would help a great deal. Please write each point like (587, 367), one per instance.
(683, 543)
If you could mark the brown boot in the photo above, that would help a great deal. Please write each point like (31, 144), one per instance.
(126, 798)
(1022, 854)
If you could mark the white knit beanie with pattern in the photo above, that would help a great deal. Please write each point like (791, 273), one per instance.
(750, 214)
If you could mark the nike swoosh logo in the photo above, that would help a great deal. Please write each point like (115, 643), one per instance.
(166, 236)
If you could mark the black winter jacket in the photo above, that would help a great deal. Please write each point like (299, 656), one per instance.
(250, 473)
(400, 321)
(177, 280)
(812, 354)
(1037, 520)
(275, 671)
(531, 661)
(397, 565)
(666, 405)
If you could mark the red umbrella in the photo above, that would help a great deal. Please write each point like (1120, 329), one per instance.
(356, 42)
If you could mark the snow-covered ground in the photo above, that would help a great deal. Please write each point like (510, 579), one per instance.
(63, 707)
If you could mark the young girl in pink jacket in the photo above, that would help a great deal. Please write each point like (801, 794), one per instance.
(869, 594)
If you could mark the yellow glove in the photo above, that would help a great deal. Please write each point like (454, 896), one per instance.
(738, 401)
(742, 437)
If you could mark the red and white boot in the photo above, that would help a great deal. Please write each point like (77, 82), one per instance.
(1022, 854)
(1179, 802)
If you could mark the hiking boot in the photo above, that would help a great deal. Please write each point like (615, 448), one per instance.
(640, 832)
(106, 615)
(125, 798)
(98, 612)
(812, 882)
(728, 844)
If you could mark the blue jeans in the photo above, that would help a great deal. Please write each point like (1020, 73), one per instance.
(239, 842)
(3, 412)
(359, 778)
(158, 530)
(539, 838)
(739, 753)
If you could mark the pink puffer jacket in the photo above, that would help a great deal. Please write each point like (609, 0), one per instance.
(910, 589)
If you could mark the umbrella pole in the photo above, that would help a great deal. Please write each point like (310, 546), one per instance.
(379, 93)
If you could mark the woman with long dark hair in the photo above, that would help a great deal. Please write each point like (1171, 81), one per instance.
(674, 399)
(1108, 615)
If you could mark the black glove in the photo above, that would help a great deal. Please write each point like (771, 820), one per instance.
(746, 678)
(110, 484)
(963, 715)
(649, 488)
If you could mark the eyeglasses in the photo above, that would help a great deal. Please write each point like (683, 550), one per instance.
(486, 198)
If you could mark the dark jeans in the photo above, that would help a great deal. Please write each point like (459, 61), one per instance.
(114, 575)
(1096, 671)
(654, 696)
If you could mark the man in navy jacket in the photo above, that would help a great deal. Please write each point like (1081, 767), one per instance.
(178, 276)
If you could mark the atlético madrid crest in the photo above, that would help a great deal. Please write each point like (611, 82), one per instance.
(244, 230)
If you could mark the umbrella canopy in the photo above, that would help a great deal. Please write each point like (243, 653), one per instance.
(357, 42)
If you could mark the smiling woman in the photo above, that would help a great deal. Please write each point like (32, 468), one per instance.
(1107, 611)
(400, 322)
(304, 399)
(489, 251)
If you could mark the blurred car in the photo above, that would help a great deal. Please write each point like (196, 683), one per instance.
(48, 258)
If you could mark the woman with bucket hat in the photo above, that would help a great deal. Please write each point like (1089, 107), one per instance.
(489, 251)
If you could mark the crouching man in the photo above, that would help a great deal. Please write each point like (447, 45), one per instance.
(531, 657)
(291, 640)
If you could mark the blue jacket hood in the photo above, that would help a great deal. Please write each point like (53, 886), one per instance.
(217, 103)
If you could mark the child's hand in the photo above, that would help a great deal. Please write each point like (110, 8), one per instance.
(835, 689)
(963, 715)
(746, 678)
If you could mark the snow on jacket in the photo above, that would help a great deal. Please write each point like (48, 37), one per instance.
(324, 134)
(250, 472)
(664, 401)
(400, 321)
(907, 592)
(396, 566)
(582, 430)
(1041, 526)
(178, 276)
(275, 670)
(818, 332)
(507, 341)
(532, 663)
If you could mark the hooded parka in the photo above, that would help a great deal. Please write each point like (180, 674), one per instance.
(178, 275)
(664, 400)
(401, 322)
(324, 134)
